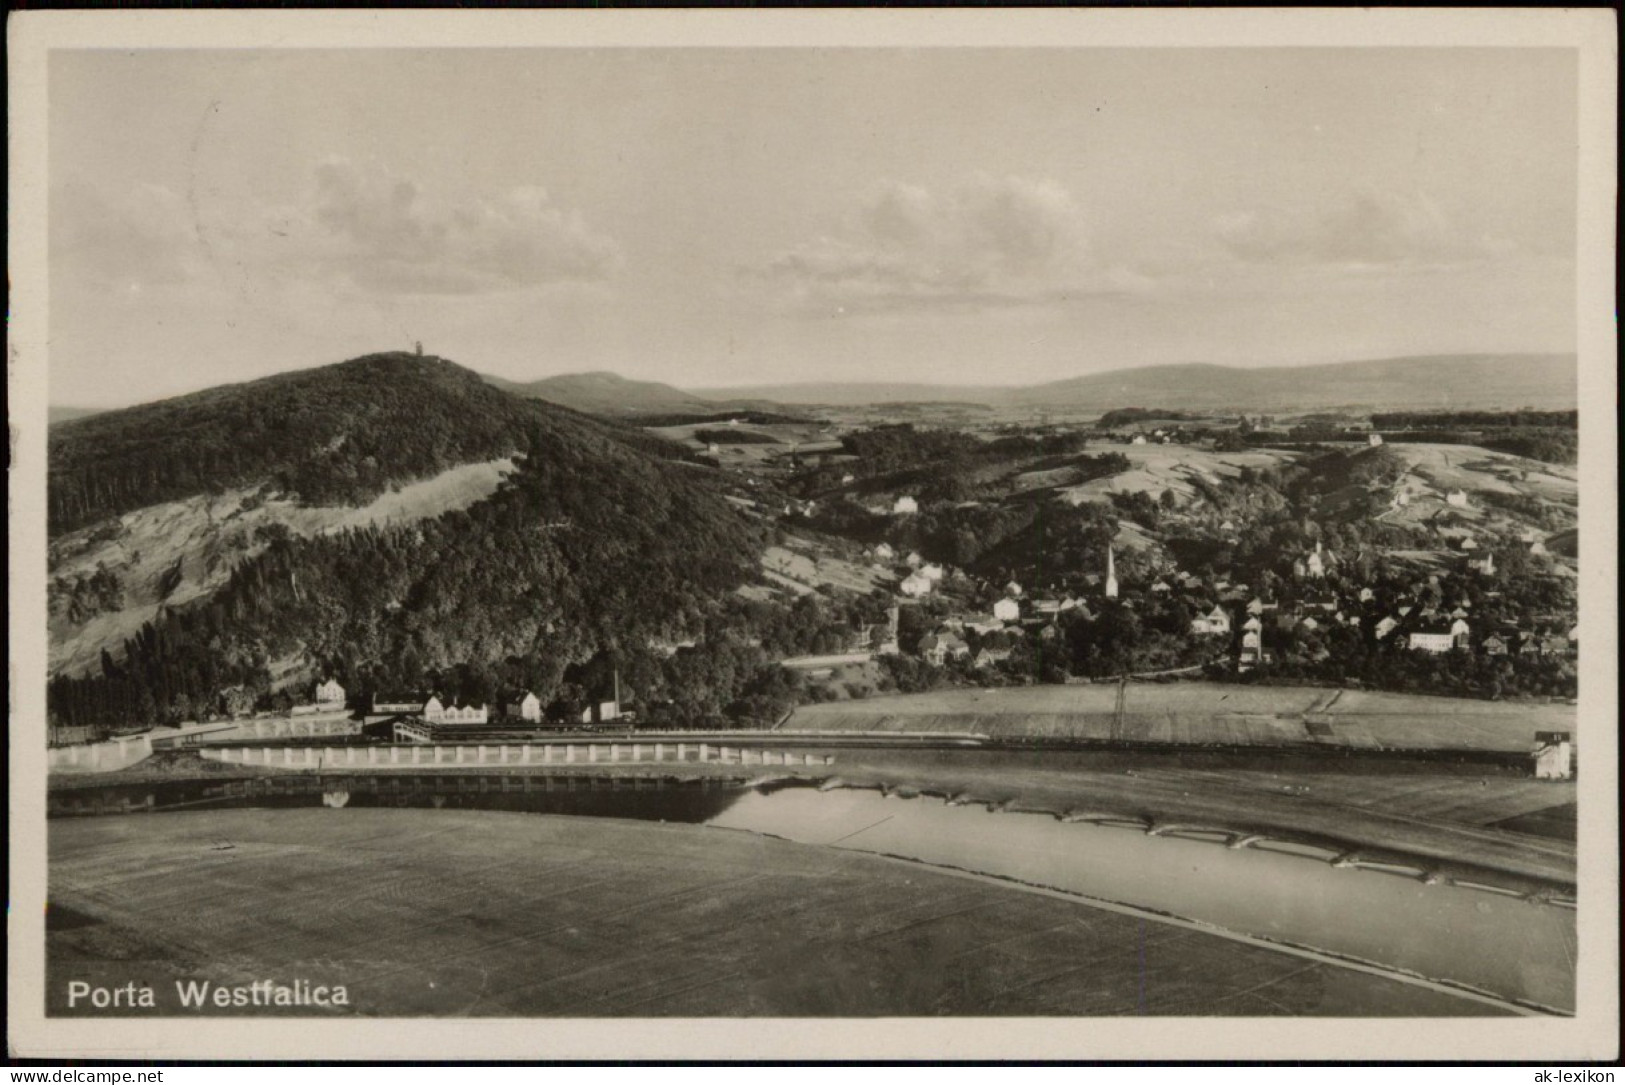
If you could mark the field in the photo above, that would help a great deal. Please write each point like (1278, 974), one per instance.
(1171, 467)
(802, 566)
(1205, 713)
(1468, 467)
(470, 913)
(1434, 470)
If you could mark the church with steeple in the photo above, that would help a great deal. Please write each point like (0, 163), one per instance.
(1111, 574)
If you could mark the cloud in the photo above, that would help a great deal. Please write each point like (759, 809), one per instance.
(129, 237)
(989, 242)
(387, 234)
(1362, 227)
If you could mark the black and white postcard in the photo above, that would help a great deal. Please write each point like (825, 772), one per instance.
(935, 535)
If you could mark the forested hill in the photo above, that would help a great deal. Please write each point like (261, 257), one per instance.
(340, 434)
(595, 541)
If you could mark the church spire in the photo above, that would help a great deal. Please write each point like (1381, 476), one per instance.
(1111, 574)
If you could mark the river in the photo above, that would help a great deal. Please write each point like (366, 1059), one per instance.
(1513, 948)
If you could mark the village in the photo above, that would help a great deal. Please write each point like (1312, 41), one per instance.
(1477, 592)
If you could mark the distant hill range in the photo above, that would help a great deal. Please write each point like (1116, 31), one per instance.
(1476, 381)
(605, 393)
(1459, 381)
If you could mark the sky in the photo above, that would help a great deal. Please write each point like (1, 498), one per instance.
(711, 217)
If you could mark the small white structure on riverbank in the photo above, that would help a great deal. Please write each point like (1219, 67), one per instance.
(1554, 755)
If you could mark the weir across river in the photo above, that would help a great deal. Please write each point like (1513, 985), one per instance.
(573, 752)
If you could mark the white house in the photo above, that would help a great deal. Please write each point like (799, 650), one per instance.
(913, 561)
(1386, 626)
(1432, 640)
(1139, 439)
(602, 712)
(938, 648)
(905, 505)
(460, 712)
(933, 573)
(1252, 651)
(530, 707)
(1554, 755)
(1374, 440)
(330, 694)
(1013, 590)
(1215, 622)
(914, 585)
(1458, 498)
(1007, 610)
(994, 649)
(884, 552)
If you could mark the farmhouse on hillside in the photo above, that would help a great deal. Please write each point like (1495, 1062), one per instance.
(1214, 622)
(938, 648)
(914, 585)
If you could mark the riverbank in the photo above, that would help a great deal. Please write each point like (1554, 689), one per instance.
(432, 913)
(1452, 818)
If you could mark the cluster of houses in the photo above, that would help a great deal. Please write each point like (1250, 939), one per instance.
(1251, 620)
(989, 638)
(522, 706)
(1423, 628)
